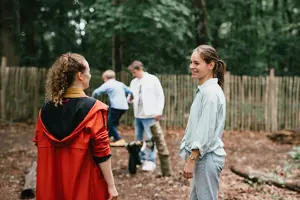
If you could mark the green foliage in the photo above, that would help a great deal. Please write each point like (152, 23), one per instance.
(253, 36)
(250, 36)
(295, 162)
(295, 154)
(154, 32)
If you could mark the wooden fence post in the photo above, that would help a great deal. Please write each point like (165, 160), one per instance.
(3, 76)
(272, 100)
(227, 85)
(266, 103)
(36, 105)
(227, 96)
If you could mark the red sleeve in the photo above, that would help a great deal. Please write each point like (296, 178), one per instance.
(97, 126)
(37, 129)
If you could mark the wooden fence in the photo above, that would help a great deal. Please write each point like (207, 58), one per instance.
(253, 103)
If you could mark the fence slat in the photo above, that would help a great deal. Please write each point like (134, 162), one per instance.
(256, 102)
(4, 78)
(291, 102)
(286, 102)
(252, 103)
(231, 108)
(298, 102)
(242, 92)
(227, 96)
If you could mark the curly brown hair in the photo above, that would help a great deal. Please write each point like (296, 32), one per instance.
(62, 75)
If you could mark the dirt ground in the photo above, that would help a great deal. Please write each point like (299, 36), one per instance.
(244, 149)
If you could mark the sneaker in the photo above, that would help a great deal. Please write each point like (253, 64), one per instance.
(140, 165)
(149, 166)
(119, 143)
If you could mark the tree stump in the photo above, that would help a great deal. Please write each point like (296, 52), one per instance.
(30, 183)
(162, 148)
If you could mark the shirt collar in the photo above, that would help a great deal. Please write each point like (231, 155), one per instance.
(144, 74)
(209, 82)
(111, 79)
(73, 92)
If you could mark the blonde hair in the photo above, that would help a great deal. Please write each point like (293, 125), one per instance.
(109, 74)
(62, 75)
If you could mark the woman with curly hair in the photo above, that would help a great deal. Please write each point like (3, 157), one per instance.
(71, 137)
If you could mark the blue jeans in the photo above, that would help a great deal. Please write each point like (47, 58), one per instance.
(114, 116)
(205, 182)
(141, 126)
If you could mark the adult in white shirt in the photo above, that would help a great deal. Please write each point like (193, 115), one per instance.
(148, 105)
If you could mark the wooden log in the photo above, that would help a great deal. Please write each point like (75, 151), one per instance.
(162, 148)
(30, 183)
(272, 179)
(286, 136)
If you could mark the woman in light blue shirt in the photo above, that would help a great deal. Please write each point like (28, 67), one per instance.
(202, 145)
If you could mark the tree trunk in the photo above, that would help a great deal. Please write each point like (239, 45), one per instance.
(9, 31)
(203, 37)
(261, 177)
(286, 14)
(275, 10)
(117, 55)
(28, 27)
(117, 48)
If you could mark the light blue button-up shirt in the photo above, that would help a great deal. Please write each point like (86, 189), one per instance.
(206, 121)
(116, 92)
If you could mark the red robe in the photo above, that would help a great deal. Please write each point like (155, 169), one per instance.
(66, 169)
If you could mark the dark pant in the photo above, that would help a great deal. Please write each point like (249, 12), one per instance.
(114, 116)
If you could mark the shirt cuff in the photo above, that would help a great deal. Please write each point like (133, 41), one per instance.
(196, 145)
(99, 160)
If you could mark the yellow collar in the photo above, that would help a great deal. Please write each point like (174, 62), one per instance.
(74, 93)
